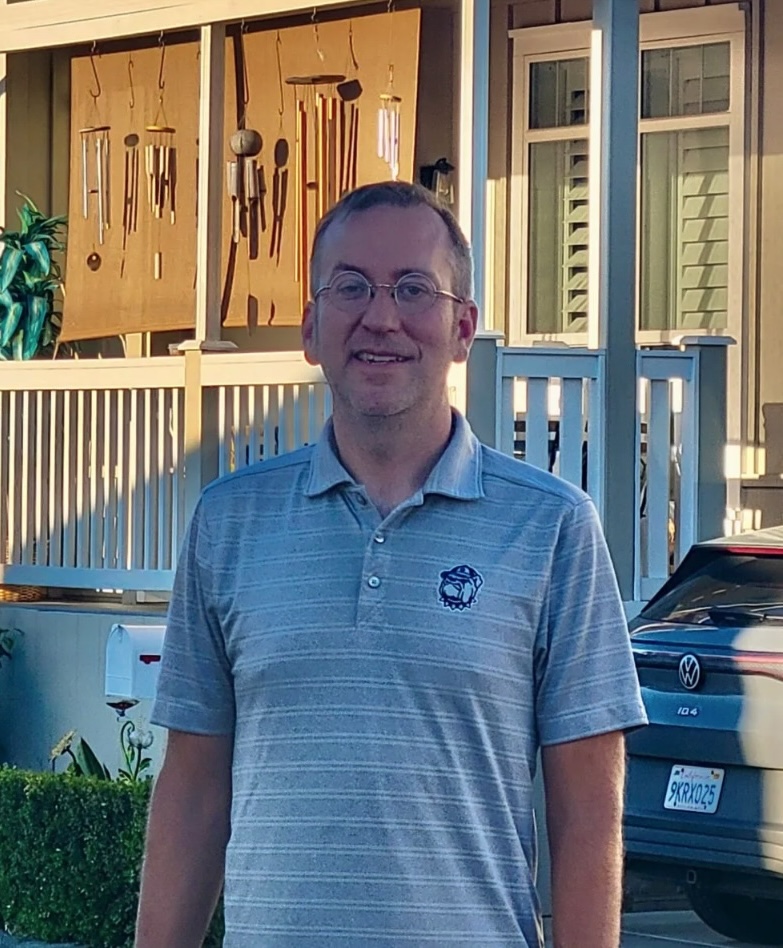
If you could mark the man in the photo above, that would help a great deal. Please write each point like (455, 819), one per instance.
(370, 639)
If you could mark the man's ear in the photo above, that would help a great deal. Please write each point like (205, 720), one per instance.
(467, 321)
(309, 333)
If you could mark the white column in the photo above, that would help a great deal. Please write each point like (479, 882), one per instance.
(614, 123)
(210, 190)
(472, 166)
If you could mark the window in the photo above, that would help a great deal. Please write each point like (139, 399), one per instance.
(690, 194)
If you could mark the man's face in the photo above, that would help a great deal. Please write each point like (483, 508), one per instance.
(382, 362)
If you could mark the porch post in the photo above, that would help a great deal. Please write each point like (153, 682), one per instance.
(210, 192)
(614, 105)
(474, 136)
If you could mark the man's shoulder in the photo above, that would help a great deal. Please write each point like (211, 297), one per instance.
(519, 479)
(273, 475)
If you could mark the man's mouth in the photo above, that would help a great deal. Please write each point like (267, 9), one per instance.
(377, 358)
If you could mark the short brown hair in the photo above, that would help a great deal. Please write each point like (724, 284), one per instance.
(399, 194)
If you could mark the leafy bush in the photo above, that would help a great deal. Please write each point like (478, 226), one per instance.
(70, 856)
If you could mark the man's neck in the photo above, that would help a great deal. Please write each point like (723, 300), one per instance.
(390, 456)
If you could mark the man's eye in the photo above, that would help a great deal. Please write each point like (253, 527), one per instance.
(413, 291)
(349, 289)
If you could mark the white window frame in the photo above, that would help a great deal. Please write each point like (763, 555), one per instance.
(702, 25)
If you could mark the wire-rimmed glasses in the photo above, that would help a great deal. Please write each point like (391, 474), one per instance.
(413, 293)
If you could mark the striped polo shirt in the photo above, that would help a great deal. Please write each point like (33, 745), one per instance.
(388, 682)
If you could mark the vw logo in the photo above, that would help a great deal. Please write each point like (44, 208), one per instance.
(690, 672)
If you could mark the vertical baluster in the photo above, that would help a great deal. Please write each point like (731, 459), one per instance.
(123, 481)
(252, 425)
(236, 428)
(149, 514)
(81, 526)
(657, 478)
(25, 533)
(287, 419)
(224, 450)
(243, 439)
(13, 477)
(111, 436)
(537, 423)
(571, 430)
(135, 493)
(55, 478)
(271, 422)
(163, 519)
(40, 545)
(69, 481)
(95, 482)
(175, 478)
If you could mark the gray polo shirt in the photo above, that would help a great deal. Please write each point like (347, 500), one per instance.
(388, 682)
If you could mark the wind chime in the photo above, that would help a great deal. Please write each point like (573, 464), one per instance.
(130, 189)
(160, 165)
(389, 113)
(96, 163)
(327, 145)
(245, 174)
(280, 173)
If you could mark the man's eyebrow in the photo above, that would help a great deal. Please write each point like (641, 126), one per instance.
(343, 267)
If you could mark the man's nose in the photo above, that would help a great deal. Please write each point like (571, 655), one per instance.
(382, 313)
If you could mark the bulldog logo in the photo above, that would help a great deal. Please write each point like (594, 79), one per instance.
(459, 587)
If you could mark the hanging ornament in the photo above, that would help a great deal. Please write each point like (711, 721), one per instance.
(389, 127)
(244, 181)
(160, 165)
(280, 173)
(130, 189)
(96, 162)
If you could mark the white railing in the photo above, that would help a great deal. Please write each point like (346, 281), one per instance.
(550, 412)
(91, 469)
(265, 408)
(93, 458)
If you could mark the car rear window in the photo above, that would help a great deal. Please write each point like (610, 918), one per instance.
(711, 579)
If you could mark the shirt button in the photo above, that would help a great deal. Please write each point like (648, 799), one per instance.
(361, 500)
(373, 582)
(379, 538)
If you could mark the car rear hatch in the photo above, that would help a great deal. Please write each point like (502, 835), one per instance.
(709, 653)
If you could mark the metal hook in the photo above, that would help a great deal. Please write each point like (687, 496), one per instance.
(130, 81)
(314, 21)
(161, 79)
(95, 95)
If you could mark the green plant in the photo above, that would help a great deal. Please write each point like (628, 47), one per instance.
(70, 858)
(84, 762)
(134, 741)
(29, 279)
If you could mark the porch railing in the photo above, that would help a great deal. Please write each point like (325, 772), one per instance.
(95, 460)
(550, 412)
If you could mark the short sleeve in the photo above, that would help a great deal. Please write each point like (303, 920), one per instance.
(586, 681)
(195, 689)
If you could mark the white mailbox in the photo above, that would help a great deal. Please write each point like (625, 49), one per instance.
(133, 661)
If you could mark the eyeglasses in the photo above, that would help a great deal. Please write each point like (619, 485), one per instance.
(413, 293)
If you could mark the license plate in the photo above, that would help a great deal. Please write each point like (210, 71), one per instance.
(695, 789)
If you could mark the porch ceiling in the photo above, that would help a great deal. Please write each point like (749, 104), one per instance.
(43, 24)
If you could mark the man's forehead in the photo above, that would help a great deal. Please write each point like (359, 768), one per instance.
(417, 232)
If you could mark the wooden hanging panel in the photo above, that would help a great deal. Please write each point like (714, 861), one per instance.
(111, 287)
(261, 268)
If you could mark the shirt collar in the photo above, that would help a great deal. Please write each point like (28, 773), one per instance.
(457, 473)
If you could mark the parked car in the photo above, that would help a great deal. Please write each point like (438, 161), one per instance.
(705, 779)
